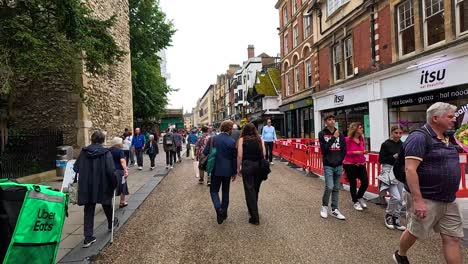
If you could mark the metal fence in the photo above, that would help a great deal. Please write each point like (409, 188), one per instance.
(29, 153)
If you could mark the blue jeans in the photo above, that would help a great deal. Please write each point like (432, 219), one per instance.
(332, 185)
(216, 183)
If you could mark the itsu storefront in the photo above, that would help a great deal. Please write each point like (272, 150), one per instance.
(398, 95)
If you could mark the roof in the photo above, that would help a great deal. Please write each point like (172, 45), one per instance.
(264, 85)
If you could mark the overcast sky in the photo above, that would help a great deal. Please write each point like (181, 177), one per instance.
(211, 34)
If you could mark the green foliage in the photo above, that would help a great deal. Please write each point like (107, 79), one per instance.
(44, 37)
(150, 32)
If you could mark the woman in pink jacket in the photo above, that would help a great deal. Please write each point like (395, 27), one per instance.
(354, 164)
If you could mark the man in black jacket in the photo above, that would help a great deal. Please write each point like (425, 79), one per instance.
(97, 181)
(332, 144)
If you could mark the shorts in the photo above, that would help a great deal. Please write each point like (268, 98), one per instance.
(444, 218)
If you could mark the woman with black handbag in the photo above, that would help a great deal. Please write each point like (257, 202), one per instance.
(250, 156)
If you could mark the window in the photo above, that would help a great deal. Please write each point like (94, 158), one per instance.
(294, 7)
(434, 21)
(348, 52)
(462, 16)
(333, 5)
(308, 71)
(286, 44)
(288, 84)
(285, 16)
(337, 63)
(406, 38)
(296, 36)
(307, 26)
(296, 80)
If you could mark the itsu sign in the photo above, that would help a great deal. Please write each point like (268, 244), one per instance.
(339, 99)
(431, 79)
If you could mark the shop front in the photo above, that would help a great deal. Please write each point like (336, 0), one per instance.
(298, 119)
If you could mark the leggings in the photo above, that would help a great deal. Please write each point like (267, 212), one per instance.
(355, 172)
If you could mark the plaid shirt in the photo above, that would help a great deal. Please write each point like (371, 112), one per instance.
(201, 143)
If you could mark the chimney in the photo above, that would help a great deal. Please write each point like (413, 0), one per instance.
(250, 51)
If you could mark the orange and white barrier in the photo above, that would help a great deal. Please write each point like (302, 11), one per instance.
(305, 153)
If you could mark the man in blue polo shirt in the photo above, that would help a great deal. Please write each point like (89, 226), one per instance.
(138, 143)
(269, 137)
(433, 178)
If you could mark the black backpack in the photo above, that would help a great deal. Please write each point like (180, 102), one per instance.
(399, 166)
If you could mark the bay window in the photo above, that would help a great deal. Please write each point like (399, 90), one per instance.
(333, 5)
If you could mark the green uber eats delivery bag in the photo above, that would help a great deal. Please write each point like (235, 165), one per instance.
(31, 222)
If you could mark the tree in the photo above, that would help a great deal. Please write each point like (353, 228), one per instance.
(45, 38)
(150, 32)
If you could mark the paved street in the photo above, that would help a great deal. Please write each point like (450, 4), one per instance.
(176, 224)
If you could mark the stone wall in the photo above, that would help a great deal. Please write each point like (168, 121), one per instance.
(110, 96)
(56, 104)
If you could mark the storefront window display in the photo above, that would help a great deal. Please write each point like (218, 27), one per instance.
(307, 124)
(344, 116)
(409, 111)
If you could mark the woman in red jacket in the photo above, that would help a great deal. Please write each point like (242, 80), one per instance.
(354, 164)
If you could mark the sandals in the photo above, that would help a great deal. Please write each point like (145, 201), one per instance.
(122, 205)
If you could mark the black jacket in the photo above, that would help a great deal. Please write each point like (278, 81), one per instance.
(387, 150)
(97, 179)
(333, 149)
(155, 148)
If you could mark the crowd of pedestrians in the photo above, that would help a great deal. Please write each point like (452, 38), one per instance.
(422, 174)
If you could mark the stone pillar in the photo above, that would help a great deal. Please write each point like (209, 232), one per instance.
(317, 120)
(378, 117)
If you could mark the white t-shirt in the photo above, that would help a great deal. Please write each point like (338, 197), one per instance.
(127, 143)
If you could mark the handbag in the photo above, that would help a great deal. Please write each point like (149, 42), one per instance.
(264, 169)
(73, 190)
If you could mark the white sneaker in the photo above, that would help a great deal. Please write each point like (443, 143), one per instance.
(271, 163)
(172, 167)
(358, 206)
(152, 168)
(362, 202)
(336, 213)
(140, 168)
(324, 212)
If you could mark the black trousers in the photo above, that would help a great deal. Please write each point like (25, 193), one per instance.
(218, 182)
(170, 157)
(152, 157)
(139, 156)
(252, 182)
(269, 151)
(89, 218)
(179, 150)
(353, 173)
(127, 156)
(188, 150)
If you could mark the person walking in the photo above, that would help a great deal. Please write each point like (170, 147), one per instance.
(126, 145)
(333, 147)
(388, 183)
(250, 152)
(131, 154)
(97, 181)
(178, 142)
(224, 170)
(121, 169)
(354, 164)
(432, 180)
(269, 137)
(169, 147)
(236, 133)
(152, 149)
(200, 146)
(192, 141)
(138, 143)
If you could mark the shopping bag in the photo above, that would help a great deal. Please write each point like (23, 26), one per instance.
(197, 170)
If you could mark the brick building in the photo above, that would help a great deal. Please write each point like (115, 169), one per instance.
(374, 62)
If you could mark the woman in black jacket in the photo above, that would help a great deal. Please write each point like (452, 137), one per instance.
(152, 149)
(250, 152)
(388, 183)
(97, 181)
